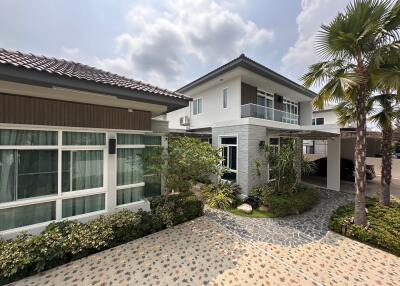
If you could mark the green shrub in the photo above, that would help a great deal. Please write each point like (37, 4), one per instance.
(384, 225)
(302, 199)
(221, 195)
(67, 240)
(175, 209)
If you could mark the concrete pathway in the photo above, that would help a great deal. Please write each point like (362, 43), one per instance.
(223, 249)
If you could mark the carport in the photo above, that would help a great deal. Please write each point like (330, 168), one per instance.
(333, 138)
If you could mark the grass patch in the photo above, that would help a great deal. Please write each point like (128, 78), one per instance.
(254, 214)
(384, 230)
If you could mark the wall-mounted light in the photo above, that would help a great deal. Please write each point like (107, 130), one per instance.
(130, 110)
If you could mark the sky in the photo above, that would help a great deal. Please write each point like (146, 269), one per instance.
(168, 43)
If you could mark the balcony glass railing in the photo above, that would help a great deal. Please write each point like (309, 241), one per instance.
(259, 111)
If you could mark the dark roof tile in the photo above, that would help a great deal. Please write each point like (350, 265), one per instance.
(80, 71)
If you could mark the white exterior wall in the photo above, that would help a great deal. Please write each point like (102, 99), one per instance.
(213, 110)
(109, 180)
(305, 113)
(333, 164)
(329, 116)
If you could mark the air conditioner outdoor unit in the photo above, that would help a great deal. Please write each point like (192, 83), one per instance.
(184, 121)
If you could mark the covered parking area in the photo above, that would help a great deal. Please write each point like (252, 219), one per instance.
(333, 152)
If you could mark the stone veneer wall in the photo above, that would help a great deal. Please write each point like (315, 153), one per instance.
(249, 138)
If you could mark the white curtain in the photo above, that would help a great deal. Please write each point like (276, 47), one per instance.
(129, 166)
(83, 205)
(130, 195)
(7, 175)
(27, 137)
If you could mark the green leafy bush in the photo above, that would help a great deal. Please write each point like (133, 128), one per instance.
(65, 241)
(221, 195)
(284, 204)
(176, 209)
(384, 225)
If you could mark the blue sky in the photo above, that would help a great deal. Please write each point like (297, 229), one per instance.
(168, 43)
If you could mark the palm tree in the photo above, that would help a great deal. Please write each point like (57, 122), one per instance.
(384, 111)
(385, 117)
(350, 45)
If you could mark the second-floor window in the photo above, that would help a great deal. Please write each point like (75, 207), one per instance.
(197, 106)
(291, 111)
(318, 121)
(225, 98)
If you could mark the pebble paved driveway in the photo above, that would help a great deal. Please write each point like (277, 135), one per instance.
(222, 249)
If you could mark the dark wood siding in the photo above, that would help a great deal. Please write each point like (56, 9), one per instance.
(249, 94)
(278, 102)
(38, 111)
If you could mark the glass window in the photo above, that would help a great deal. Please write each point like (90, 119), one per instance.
(130, 195)
(152, 186)
(84, 138)
(229, 154)
(82, 170)
(130, 139)
(197, 106)
(319, 121)
(27, 174)
(229, 140)
(83, 205)
(27, 137)
(152, 140)
(27, 215)
(225, 97)
(129, 166)
(200, 107)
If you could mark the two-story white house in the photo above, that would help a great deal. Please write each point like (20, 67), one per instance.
(243, 104)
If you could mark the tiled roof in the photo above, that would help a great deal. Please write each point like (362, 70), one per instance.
(79, 71)
(247, 63)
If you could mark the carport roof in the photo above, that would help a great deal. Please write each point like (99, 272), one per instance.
(308, 134)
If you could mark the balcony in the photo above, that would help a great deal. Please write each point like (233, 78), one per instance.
(259, 111)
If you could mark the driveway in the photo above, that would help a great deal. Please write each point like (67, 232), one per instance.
(223, 249)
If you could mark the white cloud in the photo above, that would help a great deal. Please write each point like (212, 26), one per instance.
(158, 42)
(70, 51)
(313, 14)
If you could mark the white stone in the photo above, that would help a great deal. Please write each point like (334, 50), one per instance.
(246, 208)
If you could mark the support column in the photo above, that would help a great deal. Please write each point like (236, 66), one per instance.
(298, 158)
(111, 177)
(333, 164)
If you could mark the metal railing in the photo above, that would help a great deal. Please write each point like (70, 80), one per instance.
(259, 111)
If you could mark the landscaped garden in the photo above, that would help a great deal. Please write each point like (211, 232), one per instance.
(383, 229)
(281, 196)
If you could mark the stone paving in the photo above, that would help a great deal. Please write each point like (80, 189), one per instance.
(224, 249)
(292, 230)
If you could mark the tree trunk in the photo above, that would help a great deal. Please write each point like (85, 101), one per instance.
(298, 160)
(360, 216)
(386, 175)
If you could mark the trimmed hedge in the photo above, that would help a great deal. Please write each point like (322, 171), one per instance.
(64, 241)
(294, 203)
(384, 225)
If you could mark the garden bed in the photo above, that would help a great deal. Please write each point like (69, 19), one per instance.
(65, 241)
(384, 225)
(255, 214)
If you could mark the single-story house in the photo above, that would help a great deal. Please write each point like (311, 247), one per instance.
(71, 139)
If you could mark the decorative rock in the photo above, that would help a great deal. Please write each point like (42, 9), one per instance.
(246, 208)
(263, 208)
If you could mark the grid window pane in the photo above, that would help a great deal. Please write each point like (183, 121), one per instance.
(84, 139)
(153, 186)
(225, 98)
(130, 195)
(27, 173)
(152, 140)
(83, 205)
(27, 215)
(37, 173)
(195, 105)
(130, 139)
(27, 137)
(129, 166)
(82, 170)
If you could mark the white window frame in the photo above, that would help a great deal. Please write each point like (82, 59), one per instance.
(288, 113)
(220, 145)
(225, 98)
(60, 196)
(277, 147)
(197, 100)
